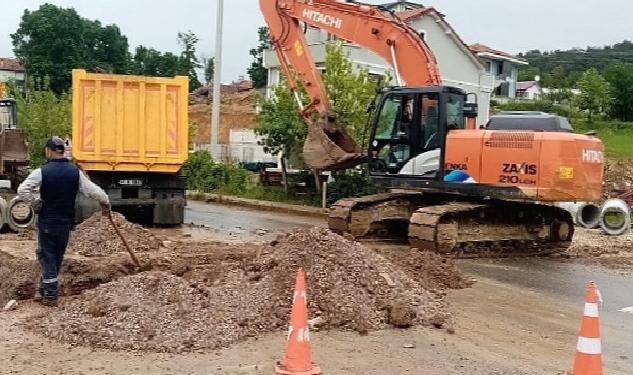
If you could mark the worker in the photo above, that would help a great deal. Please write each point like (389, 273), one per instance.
(58, 182)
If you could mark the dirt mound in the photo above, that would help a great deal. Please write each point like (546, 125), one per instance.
(153, 310)
(429, 269)
(18, 277)
(594, 246)
(349, 285)
(228, 298)
(95, 237)
(618, 176)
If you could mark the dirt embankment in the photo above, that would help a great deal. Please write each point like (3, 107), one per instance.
(96, 237)
(202, 296)
(618, 176)
(595, 247)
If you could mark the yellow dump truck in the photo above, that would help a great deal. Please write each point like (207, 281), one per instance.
(130, 135)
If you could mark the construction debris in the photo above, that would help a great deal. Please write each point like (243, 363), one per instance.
(96, 237)
(11, 305)
(220, 300)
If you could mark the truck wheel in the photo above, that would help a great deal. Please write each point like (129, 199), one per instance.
(19, 175)
(20, 215)
(3, 212)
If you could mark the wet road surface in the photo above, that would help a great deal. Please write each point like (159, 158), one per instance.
(235, 223)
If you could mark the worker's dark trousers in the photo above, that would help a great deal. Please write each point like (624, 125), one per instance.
(52, 242)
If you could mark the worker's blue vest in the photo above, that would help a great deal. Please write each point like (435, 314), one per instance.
(60, 183)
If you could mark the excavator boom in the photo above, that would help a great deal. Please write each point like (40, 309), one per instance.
(328, 146)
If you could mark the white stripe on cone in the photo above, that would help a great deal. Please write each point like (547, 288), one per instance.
(589, 345)
(591, 310)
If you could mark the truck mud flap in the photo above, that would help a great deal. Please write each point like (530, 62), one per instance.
(169, 211)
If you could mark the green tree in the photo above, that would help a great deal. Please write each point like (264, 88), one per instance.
(350, 92)
(595, 95)
(257, 71)
(209, 69)
(528, 73)
(42, 114)
(620, 78)
(188, 60)
(282, 129)
(150, 62)
(52, 41)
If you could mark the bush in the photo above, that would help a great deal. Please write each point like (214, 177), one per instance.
(354, 183)
(42, 114)
(203, 174)
(537, 105)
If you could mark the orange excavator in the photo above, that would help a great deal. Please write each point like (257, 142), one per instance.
(451, 187)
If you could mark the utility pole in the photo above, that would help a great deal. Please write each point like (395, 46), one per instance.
(217, 80)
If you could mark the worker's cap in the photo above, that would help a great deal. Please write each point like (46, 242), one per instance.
(56, 144)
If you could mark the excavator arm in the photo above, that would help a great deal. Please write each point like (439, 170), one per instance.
(328, 146)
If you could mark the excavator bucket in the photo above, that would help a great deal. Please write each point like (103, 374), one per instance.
(328, 147)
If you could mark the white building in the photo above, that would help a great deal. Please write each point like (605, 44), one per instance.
(503, 66)
(528, 90)
(459, 66)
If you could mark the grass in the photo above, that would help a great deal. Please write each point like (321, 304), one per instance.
(617, 136)
(276, 194)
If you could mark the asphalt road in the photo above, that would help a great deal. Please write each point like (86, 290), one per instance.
(545, 294)
(558, 289)
(235, 223)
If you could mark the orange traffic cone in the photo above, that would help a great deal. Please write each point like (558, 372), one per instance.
(589, 350)
(298, 360)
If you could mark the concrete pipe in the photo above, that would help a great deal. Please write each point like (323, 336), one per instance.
(20, 215)
(3, 213)
(615, 217)
(584, 214)
(588, 215)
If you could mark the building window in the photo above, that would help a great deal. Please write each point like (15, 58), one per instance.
(488, 66)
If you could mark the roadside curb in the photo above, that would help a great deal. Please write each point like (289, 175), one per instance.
(259, 204)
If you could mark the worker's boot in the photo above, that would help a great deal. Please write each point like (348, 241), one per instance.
(48, 292)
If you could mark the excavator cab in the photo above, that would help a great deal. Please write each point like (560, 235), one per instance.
(410, 126)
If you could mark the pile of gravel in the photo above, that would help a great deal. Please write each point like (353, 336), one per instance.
(349, 287)
(95, 237)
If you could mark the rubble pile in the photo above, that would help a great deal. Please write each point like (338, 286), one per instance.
(618, 177)
(95, 237)
(594, 246)
(429, 269)
(203, 307)
(152, 310)
(349, 285)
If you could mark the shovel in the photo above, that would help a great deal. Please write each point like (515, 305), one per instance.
(125, 244)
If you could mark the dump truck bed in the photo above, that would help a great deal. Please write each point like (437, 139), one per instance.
(129, 123)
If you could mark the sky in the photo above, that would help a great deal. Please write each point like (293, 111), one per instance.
(508, 25)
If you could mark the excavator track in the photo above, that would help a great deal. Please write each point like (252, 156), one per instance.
(491, 228)
(495, 229)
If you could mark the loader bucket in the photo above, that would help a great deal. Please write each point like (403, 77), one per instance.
(14, 146)
(328, 147)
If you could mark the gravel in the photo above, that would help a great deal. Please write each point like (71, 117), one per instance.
(95, 237)
(349, 287)
(593, 246)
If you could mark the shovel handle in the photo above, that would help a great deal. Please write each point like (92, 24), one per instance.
(127, 247)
